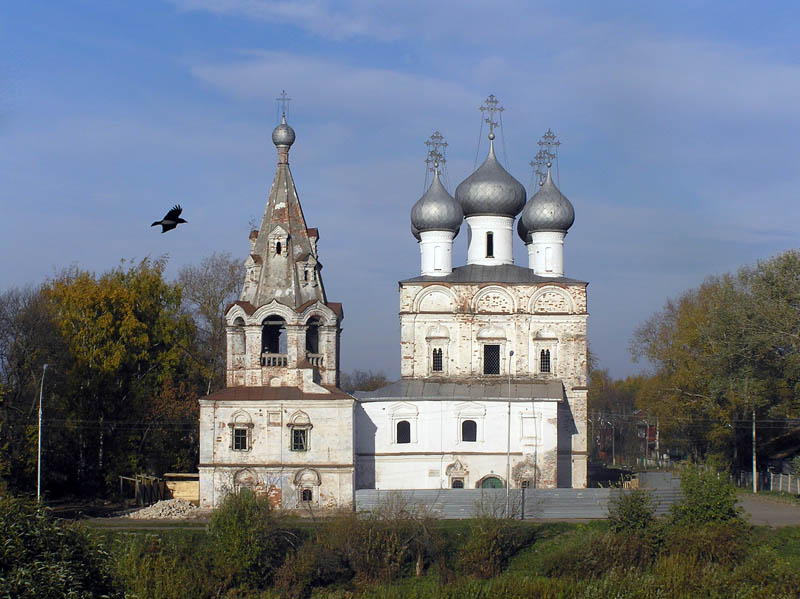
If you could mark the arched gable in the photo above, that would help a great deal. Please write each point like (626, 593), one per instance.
(403, 409)
(307, 477)
(469, 409)
(552, 300)
(235, 312)
(437, 332)
(318, 309)
(493, 299)
(274, 308)
(435, 298)
(491, 331)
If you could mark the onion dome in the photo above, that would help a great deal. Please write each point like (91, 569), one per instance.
(283, 134)
(547, 210)
(436, 210)
(490, 190)
(415, 232)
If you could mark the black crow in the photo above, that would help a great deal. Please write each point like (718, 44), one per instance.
(171, 220)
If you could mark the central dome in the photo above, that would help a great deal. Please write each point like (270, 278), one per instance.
(490, 190)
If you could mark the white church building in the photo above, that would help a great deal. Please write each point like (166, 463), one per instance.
(493, 355)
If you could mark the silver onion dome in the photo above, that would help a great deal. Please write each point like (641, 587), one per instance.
(415, 232)
(436, 210)
(547, 210)
(491, 190)
(283, 134)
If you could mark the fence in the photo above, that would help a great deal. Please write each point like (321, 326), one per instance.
(544, 504)
(768, 481)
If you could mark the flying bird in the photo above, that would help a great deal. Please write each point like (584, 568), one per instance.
(171, 220)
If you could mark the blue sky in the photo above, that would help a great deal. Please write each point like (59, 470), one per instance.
(679, 128)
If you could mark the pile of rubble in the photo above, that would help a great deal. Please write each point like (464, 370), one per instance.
(167, 509)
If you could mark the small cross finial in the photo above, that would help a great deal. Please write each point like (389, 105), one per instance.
(436, 147)
(490, 106)
(548, 149)
(284, 100)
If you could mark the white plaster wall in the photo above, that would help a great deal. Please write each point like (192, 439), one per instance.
(546, 253)
(383, 463)
(436, 253)
(331, 445)
(502, 229)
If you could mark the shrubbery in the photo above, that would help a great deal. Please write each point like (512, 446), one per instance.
(42, 559)
(708, 496)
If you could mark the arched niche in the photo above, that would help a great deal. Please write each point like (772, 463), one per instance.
(493, 300)
(551, 299)
(436, 298)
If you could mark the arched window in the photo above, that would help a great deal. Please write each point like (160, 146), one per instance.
(278, 248)
(437, 359)
(490, 245)
(273, 336)
(238, 340)
(312, 336)
(458, 483)
(306, 495)
(469, 431)
(491, 482)
(544, 360)
(404, 431)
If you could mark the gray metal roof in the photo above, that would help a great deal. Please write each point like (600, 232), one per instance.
(436, 210)
(547, 210)
(469, 389)
(491, 190)
(502, 273)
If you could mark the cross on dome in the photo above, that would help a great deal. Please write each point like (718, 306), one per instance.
(436, 146)
(549, 145)
(539, 165)
(490, 106)
(284, 100)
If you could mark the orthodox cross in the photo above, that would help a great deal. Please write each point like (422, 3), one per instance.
(284, 100)
(490, 106)
(436, 147)
(549, 145)
(539, 165)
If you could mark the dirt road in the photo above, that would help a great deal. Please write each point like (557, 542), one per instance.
(765, 511)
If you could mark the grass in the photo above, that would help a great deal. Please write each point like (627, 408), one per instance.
(778, 496)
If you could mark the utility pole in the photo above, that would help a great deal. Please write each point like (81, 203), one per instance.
(39, 452)
(755, 473)
(508, 439)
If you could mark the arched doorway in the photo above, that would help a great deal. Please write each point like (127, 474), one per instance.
(491, 482)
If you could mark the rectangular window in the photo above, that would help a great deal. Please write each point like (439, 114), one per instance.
(490, 245)
(545, 360)
(491, 359)
(437, 360)
(299, 439)
(240, 439)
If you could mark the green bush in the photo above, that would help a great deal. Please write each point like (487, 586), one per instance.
(41, 558)
(631, 510)
(312, 565)
(707, 497)
(171, 565)
(247, 543)
(714, 542)
(491, 543)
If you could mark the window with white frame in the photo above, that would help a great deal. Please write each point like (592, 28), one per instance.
(403, 434)
(469, 431)
(241, 426)
(299, 431)
(403, 423)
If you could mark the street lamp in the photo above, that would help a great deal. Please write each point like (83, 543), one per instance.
(39, 454)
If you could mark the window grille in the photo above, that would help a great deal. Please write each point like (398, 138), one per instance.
(299, 439)
(437, 360)
(240, 439)
(469, 431)
(491, 359)
(545, 360)
(404, 431)
(458, 483)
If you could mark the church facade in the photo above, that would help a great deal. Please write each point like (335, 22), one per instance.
(282, 427)
(493, 355)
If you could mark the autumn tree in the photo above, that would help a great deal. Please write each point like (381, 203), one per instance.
(362, 380)
(723, 351)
